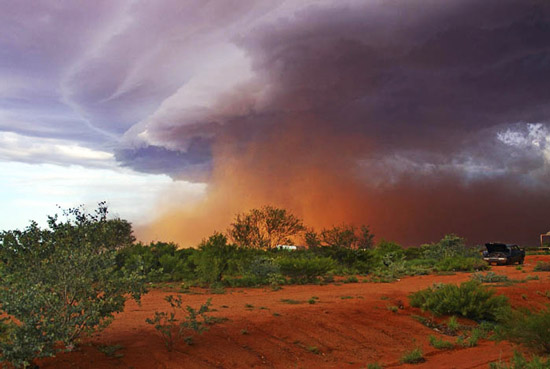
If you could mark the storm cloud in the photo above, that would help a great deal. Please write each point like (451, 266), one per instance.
(417, 117)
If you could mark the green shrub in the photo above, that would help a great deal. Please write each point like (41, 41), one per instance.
(419, 266)
(531, 329)
(453, 325)
(413, 357)
(520, 362)
(470, 299)
(413, 253)
(313, 300)
(305, 269)
(448, 247)
(262, 267)
(472, 339)
(542, 266)
(490, 277)
(160, 261)
(174, 330)
(61, 283)
(244, 281)
(386, 248)
(461, 264)
(213, 258)
(439, 343)
(351, 279)
(359, 261)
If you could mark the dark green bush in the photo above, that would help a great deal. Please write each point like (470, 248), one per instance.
(449, 246)
(305, 269)
(419, 266)
(161, 262)
(61, 283)
(213, 258)
(356, 261)
(531, 329)
(412, 253)
(386, 249)
(262, 267)
(461, 264)
(244, 281)
(470, 299)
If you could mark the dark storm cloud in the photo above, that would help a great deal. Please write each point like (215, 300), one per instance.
(409, 76)
(194, 164)
(414, 98)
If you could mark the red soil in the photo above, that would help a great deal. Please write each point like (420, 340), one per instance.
(350, 326)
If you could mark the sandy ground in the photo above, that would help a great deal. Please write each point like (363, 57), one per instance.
(349, 327)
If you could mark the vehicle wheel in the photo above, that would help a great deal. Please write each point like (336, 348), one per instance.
(520, 261)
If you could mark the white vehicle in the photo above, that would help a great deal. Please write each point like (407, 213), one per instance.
(287, 247)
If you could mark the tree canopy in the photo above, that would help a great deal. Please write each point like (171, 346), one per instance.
(61, 282)
(265, 228)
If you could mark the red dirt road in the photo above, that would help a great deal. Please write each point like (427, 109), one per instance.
(349, 327)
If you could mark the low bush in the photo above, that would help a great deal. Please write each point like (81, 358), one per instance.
(244, 281)
(471, 340)
(419, 266)
(542, 266)
(453, 325)
(439, 343)
(461, 264)
(61, 283)
(173, 329)
(303, 269)
(490, 277)
(351, 279)
(531, 329)
(470, 299)
(262, 267)
(355, 261)
(449, 246)
(413, 357)
(520, 362)
(213, 258)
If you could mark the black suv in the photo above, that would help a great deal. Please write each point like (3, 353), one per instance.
(501, 253)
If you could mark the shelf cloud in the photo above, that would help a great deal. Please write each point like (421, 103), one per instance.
(417, 117)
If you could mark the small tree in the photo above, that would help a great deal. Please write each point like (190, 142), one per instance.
(265, 228)
(61, 282)
(213, 258)
(347, 236)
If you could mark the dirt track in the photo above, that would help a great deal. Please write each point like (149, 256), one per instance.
(349, 327)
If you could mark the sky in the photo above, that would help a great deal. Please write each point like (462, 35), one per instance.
(416, 117)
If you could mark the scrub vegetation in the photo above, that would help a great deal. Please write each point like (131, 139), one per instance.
(64, 282)
(247, 255)
(60, 283)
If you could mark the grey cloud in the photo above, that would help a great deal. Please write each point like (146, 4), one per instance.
(404, 80)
